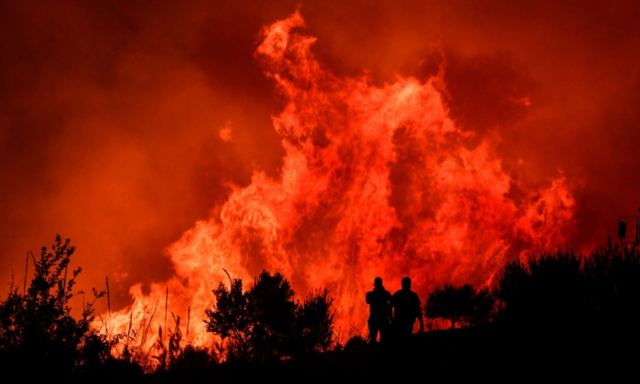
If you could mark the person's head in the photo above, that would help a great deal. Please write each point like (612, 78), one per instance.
(406, 282)
(377, 282)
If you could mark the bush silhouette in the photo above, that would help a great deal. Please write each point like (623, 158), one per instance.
(613, 277)
(313, 324)
(36, 327)
(545, 291)
(460, 305)
(356, 344)
(567, 291)
(231, 319)
(264, 323)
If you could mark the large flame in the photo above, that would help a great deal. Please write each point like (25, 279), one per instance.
(377, 180)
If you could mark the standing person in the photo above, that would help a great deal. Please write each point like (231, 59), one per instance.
(379, 300)
(406, 309)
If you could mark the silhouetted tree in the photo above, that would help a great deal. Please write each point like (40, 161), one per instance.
(460, 305)
(37, 329)
(264, 323)
(231, 319)
(273, 316)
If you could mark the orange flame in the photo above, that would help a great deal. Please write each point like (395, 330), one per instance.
(377, 180)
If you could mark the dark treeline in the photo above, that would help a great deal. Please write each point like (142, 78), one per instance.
(558, 310)
(561, 291)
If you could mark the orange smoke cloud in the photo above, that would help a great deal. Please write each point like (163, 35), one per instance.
(376, 180)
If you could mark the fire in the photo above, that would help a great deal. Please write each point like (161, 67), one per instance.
(377, 180)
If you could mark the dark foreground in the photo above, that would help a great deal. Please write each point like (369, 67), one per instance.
(471, 354)
(476, 354)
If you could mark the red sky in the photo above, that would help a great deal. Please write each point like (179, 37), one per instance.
(110, 112)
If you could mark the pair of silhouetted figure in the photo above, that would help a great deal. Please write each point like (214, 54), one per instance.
(393, 315)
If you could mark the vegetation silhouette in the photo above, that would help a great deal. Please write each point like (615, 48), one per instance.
(560, 311)
(265, 323)
(461, 305)
(568, 292)
(38, 330)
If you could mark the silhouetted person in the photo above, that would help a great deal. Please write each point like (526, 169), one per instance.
(379, 300)
(406, 309)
